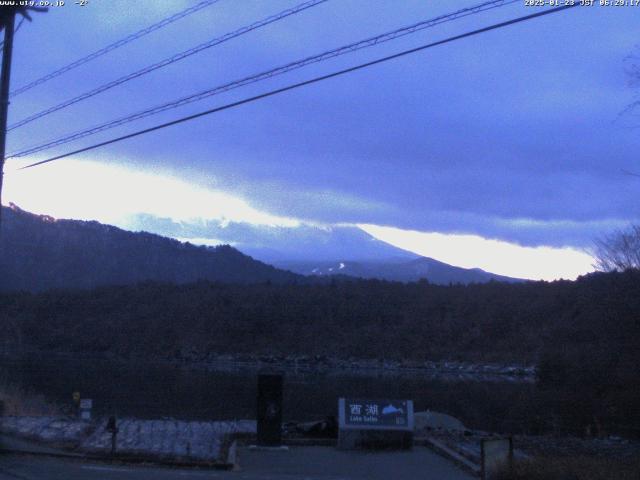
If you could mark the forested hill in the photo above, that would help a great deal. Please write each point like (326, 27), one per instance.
(359, 318)
(39, 253)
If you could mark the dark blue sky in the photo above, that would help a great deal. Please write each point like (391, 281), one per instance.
(514, 135)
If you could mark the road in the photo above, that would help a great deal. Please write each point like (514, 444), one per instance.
(308, 463)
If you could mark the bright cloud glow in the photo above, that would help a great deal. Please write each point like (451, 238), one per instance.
(108, 193)
(90, 190)
(503, 258)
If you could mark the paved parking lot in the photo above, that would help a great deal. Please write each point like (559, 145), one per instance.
(309, 463)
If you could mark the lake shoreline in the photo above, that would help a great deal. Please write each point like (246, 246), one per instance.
(318, 364)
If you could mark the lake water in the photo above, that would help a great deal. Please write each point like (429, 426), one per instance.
(156, 390)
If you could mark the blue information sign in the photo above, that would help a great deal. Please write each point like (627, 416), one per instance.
(376, 414)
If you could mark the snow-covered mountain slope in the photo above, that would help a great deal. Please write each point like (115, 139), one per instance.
(315, 250)
(306, 242)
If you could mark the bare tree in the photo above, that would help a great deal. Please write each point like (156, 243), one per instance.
(632, 68)
(618, 251)
(621, 250)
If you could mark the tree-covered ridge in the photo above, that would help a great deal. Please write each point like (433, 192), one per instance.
(40, 253)
(363, 318)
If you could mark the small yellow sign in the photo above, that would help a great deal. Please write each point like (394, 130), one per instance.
(76, 397)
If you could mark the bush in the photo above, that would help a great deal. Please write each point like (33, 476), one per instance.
(16, 401)
(574, 468)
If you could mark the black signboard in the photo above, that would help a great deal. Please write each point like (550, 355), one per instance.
(269, 410)
(376, 414)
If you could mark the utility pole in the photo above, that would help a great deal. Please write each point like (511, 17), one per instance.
(7, 22)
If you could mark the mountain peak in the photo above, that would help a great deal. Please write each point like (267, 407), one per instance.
(304, 242)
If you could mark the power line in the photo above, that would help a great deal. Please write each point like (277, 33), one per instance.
(168, 61)
(306, 82)
(115, 45)
(369, 42)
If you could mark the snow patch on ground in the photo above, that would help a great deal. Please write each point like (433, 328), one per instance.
(167, 439)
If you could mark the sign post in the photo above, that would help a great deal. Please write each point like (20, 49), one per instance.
(76, 403)
(367, 423)
(112, 428)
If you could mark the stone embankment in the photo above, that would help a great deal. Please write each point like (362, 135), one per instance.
(320, 363)
(165, 440)
(310, 364)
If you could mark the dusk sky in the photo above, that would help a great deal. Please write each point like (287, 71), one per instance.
(504, 150)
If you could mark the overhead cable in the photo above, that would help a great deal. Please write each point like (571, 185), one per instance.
(113, 46)
(304, 83)
(369, 42)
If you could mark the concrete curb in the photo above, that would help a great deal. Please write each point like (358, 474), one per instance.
(310, 442)
(450, 454)
(39, 453)
(125, 459)
(249, 439)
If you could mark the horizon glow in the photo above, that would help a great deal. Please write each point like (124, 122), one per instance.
(111, 193)
(495, 256)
